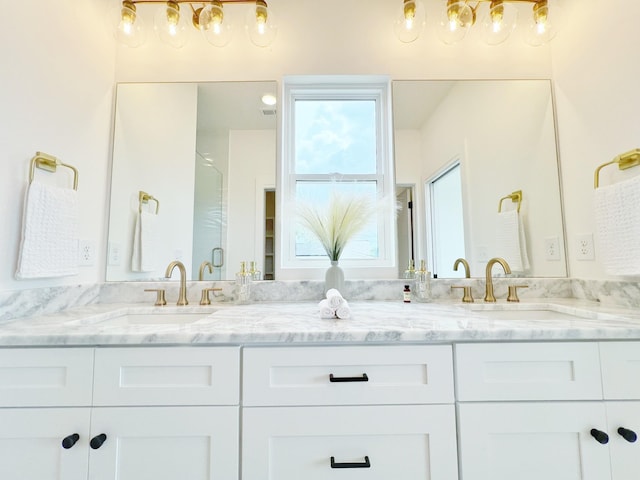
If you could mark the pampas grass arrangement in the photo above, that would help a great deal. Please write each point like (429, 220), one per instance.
(343, 217)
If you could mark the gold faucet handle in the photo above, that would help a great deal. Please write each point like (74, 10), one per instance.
(513, 292)
(204, 299)
(160, 300)
(467, 297)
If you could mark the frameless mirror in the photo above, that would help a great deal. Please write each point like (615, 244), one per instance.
(205, 156)
(468, 147)
(192, 174)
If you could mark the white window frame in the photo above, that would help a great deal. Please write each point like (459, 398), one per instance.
(337, 88)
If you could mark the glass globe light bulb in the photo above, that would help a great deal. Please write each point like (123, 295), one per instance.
(213, 26)
(261, 25)
(499, 22)
(410, 22)
(544, 23)
(171, 27)
(129, 27)
(455, 21)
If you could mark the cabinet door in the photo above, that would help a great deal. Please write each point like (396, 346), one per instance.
(532, 441)
(374, 443)
(625, 451)
(165, 443)
(31, 443)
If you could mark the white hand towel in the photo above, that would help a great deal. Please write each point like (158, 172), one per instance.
(49, 246)
(617, 215)
(334, 298)
(343, 311)
(511, 242)
(145, 240)
(325, 310)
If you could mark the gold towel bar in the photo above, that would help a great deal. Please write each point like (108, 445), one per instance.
(144, 197)
(514, 197)
(624, 160)
(50, 164)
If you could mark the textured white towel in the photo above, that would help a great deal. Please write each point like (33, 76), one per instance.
(343, 311)
(511, 243)
(145, 240)
(617, 211)
(334, 297)
(325, 310)
(49, 246)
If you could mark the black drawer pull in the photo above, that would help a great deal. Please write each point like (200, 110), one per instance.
(97, 441)
(365, 464)
(70, 441)
(600, 437)
(629, 435)
(363, 378)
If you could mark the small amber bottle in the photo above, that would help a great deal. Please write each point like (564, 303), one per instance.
(407, 294)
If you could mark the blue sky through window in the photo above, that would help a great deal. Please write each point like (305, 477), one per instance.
(335, 136)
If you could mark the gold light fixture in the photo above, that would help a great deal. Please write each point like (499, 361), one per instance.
(172, 22)
(410, 22)
(499, 20)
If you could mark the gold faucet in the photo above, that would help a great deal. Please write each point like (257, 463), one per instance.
(467, 273)
(203, 265)
(182, 297)
(488, 295)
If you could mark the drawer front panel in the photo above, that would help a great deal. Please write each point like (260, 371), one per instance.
(620, 370)
(167, 376)
(414, 442)
(528, 371)
(347, 375)
(46, 377)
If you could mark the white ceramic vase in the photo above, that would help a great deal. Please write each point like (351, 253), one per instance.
(334, 277)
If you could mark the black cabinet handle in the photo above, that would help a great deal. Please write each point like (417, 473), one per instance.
(97, 441)
(365, 464)
(70, 441)
(600, 437)
(629, 435)
(363, 378)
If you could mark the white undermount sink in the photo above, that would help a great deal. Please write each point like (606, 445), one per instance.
(156, 318)
(132, 317)
(520, 311)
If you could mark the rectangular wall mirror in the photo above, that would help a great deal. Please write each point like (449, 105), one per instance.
(466, 147)
(205, 156)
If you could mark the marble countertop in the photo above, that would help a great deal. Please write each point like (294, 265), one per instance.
(370, 322)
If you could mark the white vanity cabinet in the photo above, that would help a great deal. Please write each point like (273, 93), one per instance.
(163, 413)
(374, 412)
(536, 410)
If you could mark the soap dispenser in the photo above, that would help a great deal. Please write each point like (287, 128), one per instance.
(422, 280)
(243, 285)
(254, 272)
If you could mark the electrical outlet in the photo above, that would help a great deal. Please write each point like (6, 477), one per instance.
(482, 252)
(584, 246)
(87, 253)
(114, 254)
(552, 248)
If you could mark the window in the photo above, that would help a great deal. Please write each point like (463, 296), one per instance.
(336, 138)
(445, 218)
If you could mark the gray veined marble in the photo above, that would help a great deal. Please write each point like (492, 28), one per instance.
(300, 323)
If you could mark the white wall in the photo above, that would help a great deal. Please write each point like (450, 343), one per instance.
(56, 96)
(252, 168)
(596, 72)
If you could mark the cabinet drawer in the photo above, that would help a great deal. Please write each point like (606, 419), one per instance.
(620, 370)
(167, 376)
(414, 442)
(528, 371)
(43, 377)
(364, 375)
